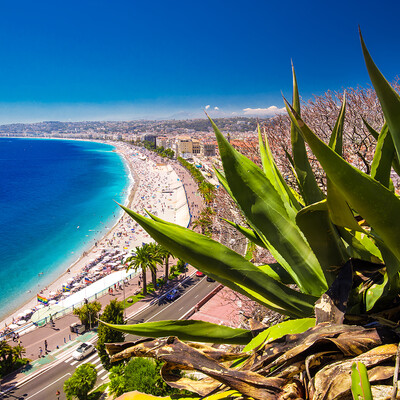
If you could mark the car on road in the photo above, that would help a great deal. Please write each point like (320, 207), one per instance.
(172, 295)
(199, 273)
(83, 351)
(210, 279)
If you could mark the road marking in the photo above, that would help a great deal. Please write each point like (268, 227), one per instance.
(196, 296)
(105, 376)
(52, 383)
(169, 305)
(91, 357)
(101, 372)
(74, 362)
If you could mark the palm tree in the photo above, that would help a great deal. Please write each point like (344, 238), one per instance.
(165, 254)
(146, 257)
(156, 259)
(18, 351)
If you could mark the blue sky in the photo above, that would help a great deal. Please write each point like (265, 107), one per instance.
(110, 60)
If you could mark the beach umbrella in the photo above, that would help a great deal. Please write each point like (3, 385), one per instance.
(21, 322)
(39, 306)
(28, 311)
(13, 326)
(52, 294)
(70, 279)
(53, 302)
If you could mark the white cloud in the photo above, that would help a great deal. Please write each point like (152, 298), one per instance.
(264, 112)
(207, 107)
(216, 108)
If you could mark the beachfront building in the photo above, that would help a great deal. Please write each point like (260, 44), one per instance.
(162, 141)
(209, 149)
(196, 147)
(184, 146)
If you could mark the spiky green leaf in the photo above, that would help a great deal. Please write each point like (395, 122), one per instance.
(279, 330)
(267, 215)
(323, 237)
(249, 233)
(373, 201)
(226, 266)
(305, 175)
(192, 330)
(388, 97)
(273, 174)
(383, 158)
(360, 386)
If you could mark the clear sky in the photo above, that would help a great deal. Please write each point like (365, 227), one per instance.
(129, 59)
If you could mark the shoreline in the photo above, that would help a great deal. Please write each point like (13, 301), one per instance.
(74, 268)
(153, 185)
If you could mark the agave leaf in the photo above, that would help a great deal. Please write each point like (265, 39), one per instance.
(228, 267)
(335, 381)
(374, 293)
(279, 330)
(388, 97)
(323, 237)
(273, 174)
(276, 272)
(203, 386)
(332, 305)
(135, 395)
(339, 210)
(336, 139)
(308, 184)
(191, 330)
(360, 246)
(249, 233)
(222, 180)
(185, 357)
(375, 134)
(373, 201)
(360, 386)
(267, 215)
(371, 130)
(383, 158)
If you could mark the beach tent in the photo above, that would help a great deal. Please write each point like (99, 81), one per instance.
(45, 313)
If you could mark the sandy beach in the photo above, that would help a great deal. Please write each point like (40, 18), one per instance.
(154, 186)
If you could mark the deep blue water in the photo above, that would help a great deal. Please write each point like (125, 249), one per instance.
(56, 198)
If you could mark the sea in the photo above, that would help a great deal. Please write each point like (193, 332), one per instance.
(57, 198)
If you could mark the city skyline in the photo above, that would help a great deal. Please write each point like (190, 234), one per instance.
(93, 61)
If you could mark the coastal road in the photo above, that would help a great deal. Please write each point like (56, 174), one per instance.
(46, 384)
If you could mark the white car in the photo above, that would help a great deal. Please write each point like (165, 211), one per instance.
(83, 351)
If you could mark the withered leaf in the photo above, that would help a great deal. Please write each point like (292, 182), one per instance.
(183, 356)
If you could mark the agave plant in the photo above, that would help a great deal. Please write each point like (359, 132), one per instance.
(336, 275)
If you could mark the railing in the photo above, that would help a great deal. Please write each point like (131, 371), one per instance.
(59, 314)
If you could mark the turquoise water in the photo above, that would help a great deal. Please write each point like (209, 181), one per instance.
(56, 199)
